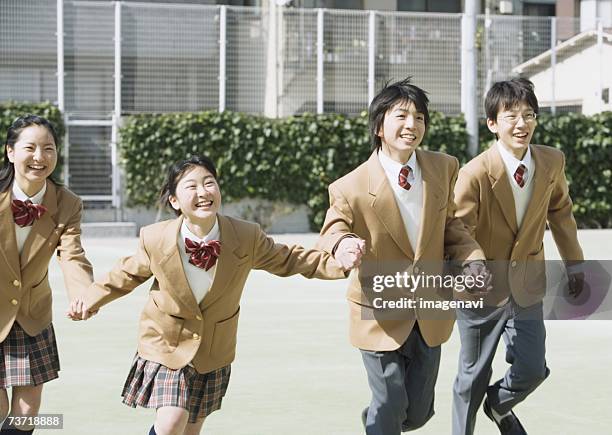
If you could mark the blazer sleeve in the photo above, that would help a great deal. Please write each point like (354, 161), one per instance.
(128, 273)
(283, 260)
(338, 222)
(467, 194)
(561, 219)
(77, 270)
(458, 243)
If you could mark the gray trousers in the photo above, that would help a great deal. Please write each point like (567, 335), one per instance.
(480, 330)
(402, 384)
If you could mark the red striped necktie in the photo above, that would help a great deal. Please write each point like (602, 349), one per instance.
(519, 175)
(403, 177)
(26, 212)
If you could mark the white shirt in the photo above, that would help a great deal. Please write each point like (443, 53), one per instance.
(409, 202)
(522, 195)
(21, 233)
(199, 280)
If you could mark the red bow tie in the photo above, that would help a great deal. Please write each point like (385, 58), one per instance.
(203, 254)
(25, 212)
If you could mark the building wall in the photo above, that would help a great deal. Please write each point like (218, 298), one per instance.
(380, 5)
(590, 10)
(568, 8)
(569, 90)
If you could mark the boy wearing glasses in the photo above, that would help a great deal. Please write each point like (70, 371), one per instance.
(506, 196)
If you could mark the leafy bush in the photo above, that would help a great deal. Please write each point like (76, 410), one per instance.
(292, 159)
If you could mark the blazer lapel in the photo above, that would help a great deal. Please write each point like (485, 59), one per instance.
(385, 207)
(542, 181)
(501, 187)
(432, 200)
(42, 228)
(8, 247)
(172, 266)
(228, 261)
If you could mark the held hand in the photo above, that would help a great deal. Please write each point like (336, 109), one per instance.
(349, 252)
(575, 284)
(482, 285)
(79, 310)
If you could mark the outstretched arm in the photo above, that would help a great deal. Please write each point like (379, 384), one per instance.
(127, 274)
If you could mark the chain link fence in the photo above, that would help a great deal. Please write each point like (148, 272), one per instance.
(426, 47)
(28, 56)
(174, 58)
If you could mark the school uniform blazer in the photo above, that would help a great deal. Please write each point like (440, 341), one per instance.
(25, 295)
(486, 204)
(362, 203)
(174, 329)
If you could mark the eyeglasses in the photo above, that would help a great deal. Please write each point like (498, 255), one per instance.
(512, 118)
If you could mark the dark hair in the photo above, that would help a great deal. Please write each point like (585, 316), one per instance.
(389, 96)
(7, 171)
(176, 172)
(508, 94)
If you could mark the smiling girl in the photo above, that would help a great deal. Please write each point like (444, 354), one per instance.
(200, 262)
(37, 217)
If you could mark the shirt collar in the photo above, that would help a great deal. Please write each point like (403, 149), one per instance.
(511, 162)
(20, 194)
(212, 235)
(392, 168)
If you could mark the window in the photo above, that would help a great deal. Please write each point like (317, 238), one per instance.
(453, 6)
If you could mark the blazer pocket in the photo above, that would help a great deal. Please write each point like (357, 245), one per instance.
(224, 338)
(40, 298)
(167, 326)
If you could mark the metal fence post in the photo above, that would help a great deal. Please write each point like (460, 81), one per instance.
(222, 52)
(469, 94)
(320, 61)
(371, 56)
(61, 104)
(116, 180)
(60, 55)
(601, 64)
(553, 63)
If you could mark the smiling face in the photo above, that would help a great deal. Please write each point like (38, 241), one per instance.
(34, 156)
(197, 196)
(402, 131)
(514, 128)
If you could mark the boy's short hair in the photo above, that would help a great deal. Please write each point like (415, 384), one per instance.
(508, 94)
(389, 96)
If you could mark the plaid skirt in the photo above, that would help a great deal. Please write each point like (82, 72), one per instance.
(153, 385)
(26, 360)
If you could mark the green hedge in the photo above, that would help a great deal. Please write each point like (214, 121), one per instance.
(292, 159)
(11, 110)
(587, 144)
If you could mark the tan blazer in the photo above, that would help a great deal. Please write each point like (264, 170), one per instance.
(25, 295)
(362, 203)
(486, 204)
(174, 329)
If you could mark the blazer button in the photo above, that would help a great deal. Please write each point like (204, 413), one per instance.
(416, 269)
(196, 336)
(513, 264)
(16, 283)
(198, 317)
(14, 301)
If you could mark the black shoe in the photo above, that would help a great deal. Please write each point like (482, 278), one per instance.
(364, 417)
(509, 425)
